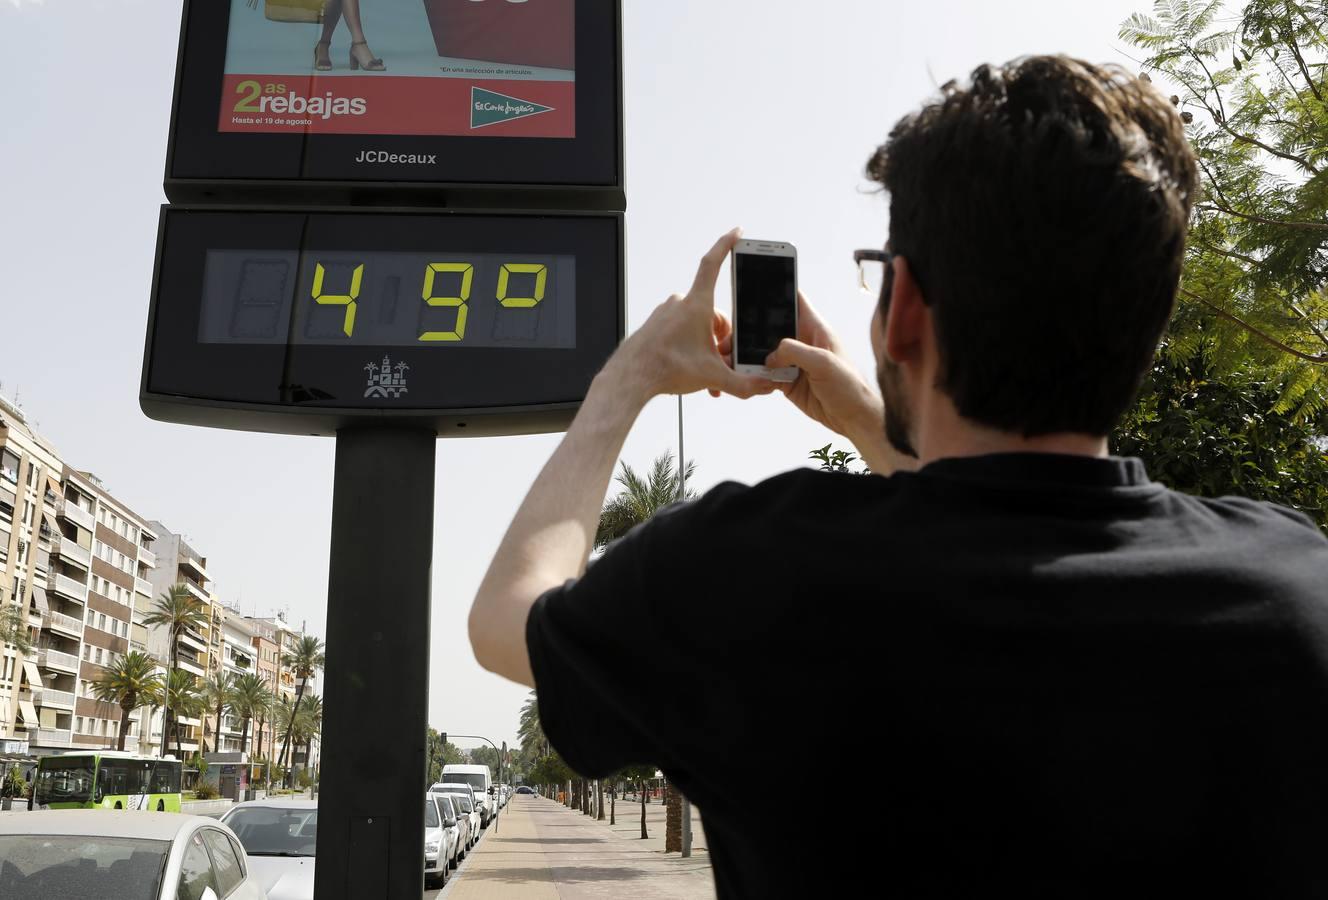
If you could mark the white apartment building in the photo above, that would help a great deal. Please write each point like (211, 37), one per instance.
(72, 559)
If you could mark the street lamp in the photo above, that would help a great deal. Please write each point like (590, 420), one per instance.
(478, 737)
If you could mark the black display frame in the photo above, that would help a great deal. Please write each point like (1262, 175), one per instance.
(179, 371)
(205, 165)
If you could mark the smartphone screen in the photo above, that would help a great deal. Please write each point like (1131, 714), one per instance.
(766, 303)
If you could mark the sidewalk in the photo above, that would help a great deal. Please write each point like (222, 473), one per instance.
(545, 851)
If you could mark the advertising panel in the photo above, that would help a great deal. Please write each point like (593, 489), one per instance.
(499, 68)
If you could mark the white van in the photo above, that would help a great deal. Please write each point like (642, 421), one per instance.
(477, 777)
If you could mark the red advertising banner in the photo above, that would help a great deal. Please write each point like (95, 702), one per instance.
(383, 104)
(527, 34)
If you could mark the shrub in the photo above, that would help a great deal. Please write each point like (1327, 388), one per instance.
(205, 791)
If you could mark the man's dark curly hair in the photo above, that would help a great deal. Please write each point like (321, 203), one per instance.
(1043, 210)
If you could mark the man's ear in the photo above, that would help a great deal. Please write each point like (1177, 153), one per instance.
(908, 319)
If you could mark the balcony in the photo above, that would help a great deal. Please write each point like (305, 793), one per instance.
(54, 659)
(71, 551)
(77, 514)
(147, 557)
(49, 737)
(196, 589)
(68, 587)
(62, 699)
(193, 640)
(62, 623)
(143, 586)
(192, 665)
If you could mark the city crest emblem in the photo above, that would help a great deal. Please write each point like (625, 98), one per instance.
(386, 381)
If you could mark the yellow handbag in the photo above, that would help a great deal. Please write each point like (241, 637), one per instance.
(305, 11)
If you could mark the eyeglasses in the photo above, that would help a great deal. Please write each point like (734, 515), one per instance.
(873, 271)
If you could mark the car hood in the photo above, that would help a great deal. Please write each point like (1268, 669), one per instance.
(284, 877)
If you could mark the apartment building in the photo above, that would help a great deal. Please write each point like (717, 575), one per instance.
(284, 639)
(30, 497)
(179, 563)
(267, 663)
(237, 657)
(121, 556)
(75, 568)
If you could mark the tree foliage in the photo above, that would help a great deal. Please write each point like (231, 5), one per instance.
(1253, 91)
(1237, 402)
(640, 498)
(834, 460)
(14, 628)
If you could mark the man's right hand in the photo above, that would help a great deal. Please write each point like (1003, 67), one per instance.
(830, 390)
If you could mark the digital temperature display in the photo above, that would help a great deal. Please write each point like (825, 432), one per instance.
(431, 299)
(310, 320)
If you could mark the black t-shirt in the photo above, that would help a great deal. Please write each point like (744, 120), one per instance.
(1012, 675)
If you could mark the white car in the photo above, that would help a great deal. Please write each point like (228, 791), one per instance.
(93, 854)
(440, 840)
(467, 807)
(460, 826)
(279, 838)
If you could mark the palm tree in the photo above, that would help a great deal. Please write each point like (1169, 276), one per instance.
(179, 610)
(14, 627)
(311, 723)
(132, 682)
(640, 498)
(250, 697)
(307, 659)
(179, 692)
(217, 690)
(531, 731)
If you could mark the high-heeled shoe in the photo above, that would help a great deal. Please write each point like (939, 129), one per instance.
(323, 61)
(372, 64)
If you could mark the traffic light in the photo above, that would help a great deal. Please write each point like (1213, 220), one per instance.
(442, 739)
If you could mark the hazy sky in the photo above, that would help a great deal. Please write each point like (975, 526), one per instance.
(758, 113)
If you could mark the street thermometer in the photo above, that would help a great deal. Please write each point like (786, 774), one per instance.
(391, 229)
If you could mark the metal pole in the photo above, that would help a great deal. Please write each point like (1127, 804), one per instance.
(371, 834)
(682, 495)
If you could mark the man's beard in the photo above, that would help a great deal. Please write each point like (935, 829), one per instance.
(898, 417)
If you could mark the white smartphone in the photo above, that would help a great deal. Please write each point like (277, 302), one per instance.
(765, 305)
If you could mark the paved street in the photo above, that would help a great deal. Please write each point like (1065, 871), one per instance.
(545, 851)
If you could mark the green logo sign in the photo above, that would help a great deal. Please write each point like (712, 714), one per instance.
(489, 108)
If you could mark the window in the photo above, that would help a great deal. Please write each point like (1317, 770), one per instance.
(78, 724)
(229, 870)
(98, 656)
(87, 651)
(101, 621)
(195, 871)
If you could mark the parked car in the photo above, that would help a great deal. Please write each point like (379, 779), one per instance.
(457, 825)
(279, 838)
(479, 778)
(467, 808)
(91, 854)
(468, 835)
(439, 843)
(525, 789)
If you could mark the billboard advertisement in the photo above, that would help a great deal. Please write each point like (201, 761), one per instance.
(500, 68)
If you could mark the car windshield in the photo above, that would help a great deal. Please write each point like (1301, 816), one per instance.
(445, 804)
(271, 831)
(64, 780)
(80, 867)
(430, 814)
(475, 780)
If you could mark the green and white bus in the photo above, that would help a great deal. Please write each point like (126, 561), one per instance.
(106, 779)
